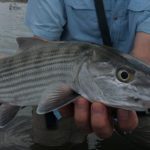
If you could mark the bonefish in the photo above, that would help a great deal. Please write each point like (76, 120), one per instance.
(53, 74)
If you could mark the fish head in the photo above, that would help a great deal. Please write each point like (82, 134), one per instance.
(119, 80)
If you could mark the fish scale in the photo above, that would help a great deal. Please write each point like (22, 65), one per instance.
(20, 75)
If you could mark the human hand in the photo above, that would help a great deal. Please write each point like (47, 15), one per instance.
(96, 117)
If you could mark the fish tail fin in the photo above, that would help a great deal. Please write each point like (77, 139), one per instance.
(7, 113)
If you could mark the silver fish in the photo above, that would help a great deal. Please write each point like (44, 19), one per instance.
(53, 74)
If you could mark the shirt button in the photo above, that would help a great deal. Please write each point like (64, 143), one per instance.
(115, 18)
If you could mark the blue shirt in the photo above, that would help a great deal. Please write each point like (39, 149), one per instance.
(76, 20)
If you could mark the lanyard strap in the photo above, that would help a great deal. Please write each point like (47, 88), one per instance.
(102, 21)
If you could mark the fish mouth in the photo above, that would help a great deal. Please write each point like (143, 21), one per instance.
(146, 103)
(142, 102)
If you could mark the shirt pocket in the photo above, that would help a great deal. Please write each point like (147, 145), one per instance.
(85, 8)
(139, 5)
(81, 9)
(80, 4)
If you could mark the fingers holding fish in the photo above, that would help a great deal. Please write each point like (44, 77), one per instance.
(100, 120)
(127, 120)
(96, 117)
(93, 117)
(82, 114)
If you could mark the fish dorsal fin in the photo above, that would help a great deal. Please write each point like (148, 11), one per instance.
(26, 43)
(7, 113)
(56, 97)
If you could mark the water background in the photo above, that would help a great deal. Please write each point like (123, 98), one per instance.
(11, 26)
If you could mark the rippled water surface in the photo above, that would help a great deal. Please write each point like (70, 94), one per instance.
(11, 26)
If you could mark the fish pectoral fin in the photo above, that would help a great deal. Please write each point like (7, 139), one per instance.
(56, 98)
(7, 113)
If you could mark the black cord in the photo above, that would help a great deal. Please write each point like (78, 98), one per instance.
(102, 21)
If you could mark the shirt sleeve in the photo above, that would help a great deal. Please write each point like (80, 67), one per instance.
(140, 14)
(144, 26)
(46, 18)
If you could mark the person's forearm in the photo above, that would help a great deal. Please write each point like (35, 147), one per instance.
(141, 47)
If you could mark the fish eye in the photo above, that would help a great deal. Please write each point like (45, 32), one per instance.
(125, 74)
